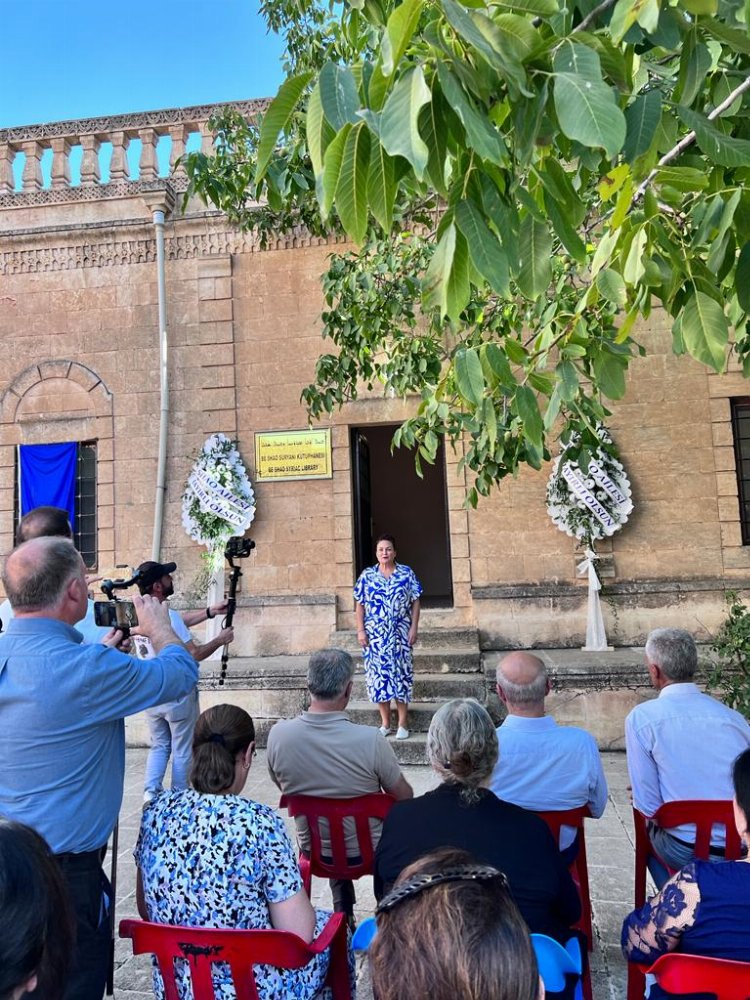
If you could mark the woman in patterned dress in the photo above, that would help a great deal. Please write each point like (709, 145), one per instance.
(207, 857)
(387, 597)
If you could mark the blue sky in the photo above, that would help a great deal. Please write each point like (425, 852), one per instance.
(82, 58)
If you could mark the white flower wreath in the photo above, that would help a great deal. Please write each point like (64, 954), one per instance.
(218, 501)
(590, 504)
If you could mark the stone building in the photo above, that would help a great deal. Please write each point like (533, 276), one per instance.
(79, 316)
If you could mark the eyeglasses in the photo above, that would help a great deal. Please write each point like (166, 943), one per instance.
(458, 873)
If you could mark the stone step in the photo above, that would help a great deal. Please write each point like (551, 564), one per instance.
(420, 714)
(440, 661)
(436, 687)
(461, 639)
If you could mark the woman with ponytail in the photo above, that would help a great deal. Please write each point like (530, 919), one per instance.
(207, 857)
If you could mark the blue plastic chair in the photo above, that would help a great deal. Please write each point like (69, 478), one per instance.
(556, 961)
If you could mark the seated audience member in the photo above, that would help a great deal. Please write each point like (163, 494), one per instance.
(679, 745)
(702, 910)
(36, 923)
(322, 752)
(450, 930)
(463, 813)
(543, 766)
(207, 857)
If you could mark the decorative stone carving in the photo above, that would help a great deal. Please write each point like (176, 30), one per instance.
(30, 377)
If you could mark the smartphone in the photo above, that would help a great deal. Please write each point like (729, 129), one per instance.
(115, 614)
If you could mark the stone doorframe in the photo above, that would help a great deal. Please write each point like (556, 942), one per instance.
(50, 402)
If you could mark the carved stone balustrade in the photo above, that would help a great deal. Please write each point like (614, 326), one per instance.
(174, 126)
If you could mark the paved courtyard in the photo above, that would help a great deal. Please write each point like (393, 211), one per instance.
(609, 843)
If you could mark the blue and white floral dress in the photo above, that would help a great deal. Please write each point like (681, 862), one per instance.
(387, 601)
(218, 861)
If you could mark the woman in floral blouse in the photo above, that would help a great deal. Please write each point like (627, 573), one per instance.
(207, 857)
(702, 910)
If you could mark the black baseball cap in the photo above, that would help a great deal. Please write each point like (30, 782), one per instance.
(150, 572)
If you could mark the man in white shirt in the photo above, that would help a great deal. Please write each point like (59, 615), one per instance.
(542, 766)
(171, 725)
(680, 746)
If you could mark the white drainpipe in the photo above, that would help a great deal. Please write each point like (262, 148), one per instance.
(161, 469)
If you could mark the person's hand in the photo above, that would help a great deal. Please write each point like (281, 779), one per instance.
(153, 614)
(362, 638)
(226, 636)
(412, 635)
(115, 639)
(219, 609)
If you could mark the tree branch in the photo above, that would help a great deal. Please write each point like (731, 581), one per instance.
(592, 15)
(689, 139)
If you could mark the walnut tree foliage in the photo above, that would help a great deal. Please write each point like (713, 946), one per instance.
(522, 180)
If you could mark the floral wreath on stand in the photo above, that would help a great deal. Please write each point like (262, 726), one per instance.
(218, 501)
(590, 504)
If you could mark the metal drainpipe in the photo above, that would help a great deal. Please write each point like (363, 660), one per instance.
(161, 469)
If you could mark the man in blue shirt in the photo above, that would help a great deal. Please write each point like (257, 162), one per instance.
(542, 766)
(62, 735)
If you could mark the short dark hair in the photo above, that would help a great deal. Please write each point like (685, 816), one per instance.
(36, 923)
(34, 583)
(466, 940)
(220, 734)
(44, 522)
(385, 538)
(741, 780)
(328, 673)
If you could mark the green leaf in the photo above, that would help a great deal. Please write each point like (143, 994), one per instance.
(568, 384)
(569, 237)
(332, 169)
(723, 149)
(276, 119)
(704, 330)
(585, 105)
(459, 286)
(633, 270)
(338, 95)
(489, 419)
(381, 185)
(736, 39)
(535, 248)
(541, 8)
(401, 26)
(433, 128)
(612, 287)
(609, 370)
(628, 12)
(682, 178)
(482, 33)
(495, 360)
(469, 377)
(641, 120)
(480, 134)
(528, 410)
(319, 135)
(486, 251)
(695, 62)
(700, 7)
(351, 191)
(742, 278)
(398, 127)
(435, 283)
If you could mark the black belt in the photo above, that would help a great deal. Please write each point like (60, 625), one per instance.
(83, 860)
(715, 852)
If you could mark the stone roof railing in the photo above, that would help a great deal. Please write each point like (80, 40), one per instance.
(173, 126)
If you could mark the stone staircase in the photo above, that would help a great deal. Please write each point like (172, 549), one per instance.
(447, 664)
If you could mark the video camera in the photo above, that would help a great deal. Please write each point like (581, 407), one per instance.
(238, 548)
(116, 613)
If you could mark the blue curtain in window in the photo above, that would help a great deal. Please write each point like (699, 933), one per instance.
(48, 476)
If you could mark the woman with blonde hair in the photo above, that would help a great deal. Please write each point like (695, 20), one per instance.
(451, 928)
(207, 857)
(463, 813)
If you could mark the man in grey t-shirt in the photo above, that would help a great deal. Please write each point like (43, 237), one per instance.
(323, 753)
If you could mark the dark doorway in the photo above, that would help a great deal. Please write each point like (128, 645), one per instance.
(390, 498)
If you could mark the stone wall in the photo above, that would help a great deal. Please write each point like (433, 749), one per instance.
(79, 324)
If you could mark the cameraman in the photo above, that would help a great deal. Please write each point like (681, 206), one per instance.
(62, 735)
(171, 725)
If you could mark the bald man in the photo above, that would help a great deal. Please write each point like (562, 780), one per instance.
(542, 766)
(62, 735)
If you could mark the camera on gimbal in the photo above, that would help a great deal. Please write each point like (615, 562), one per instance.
(115, 613)
(238, 548)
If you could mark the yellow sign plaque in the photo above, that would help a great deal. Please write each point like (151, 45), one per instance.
(293, 455)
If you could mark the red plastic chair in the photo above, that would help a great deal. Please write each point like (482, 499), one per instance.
(203, 946)
(726, 980)
(334, 811)
(704, 813)
(579, 871)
